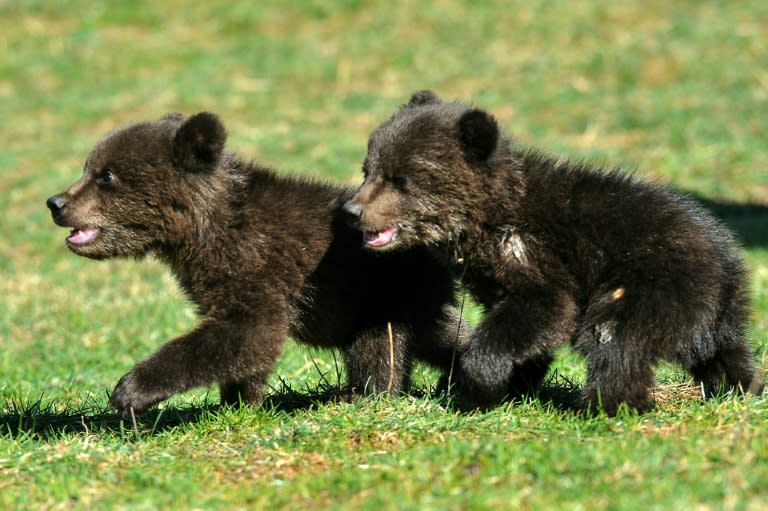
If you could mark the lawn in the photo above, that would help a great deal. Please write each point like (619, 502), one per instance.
(675, 91)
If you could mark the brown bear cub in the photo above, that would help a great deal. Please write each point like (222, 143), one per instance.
(261, 256)
(628, 272)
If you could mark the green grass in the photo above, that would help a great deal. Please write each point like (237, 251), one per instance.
(676, 90)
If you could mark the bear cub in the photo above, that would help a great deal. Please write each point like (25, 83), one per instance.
(630, 273)
(261, 256)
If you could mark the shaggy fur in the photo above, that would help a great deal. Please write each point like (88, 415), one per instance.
(262, 257)
(628, 272)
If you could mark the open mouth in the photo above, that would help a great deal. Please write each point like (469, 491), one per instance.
(82, 236)
(379, 238)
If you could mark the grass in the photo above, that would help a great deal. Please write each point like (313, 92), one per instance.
(676, 90)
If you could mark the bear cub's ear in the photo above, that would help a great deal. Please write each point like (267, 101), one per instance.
(478, 134)
(423, 97)
(199, 142)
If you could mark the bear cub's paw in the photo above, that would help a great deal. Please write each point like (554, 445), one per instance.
(135, 392)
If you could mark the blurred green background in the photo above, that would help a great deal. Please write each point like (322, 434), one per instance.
(676, 91)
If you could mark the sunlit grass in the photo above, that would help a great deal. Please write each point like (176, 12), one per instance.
(677, 91)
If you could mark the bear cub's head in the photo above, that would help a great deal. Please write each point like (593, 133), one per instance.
(141, 185)
(420, 166)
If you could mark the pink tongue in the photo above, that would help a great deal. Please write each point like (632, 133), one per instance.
(380, 238)
(81, 236)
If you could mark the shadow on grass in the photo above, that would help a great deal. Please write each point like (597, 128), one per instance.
(559, 392)
(749, 221)
(47, 421)
(50, 420)
(556, 392)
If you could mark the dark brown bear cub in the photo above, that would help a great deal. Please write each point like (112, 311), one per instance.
(628, 272)
(262, 257)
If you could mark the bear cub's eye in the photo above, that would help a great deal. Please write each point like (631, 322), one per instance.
(105, 177)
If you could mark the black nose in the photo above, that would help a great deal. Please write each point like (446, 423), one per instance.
(55, 204)
(353, 209)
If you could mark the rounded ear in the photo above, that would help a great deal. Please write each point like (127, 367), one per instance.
(478, 134)
(199, 142)
(423, 97)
